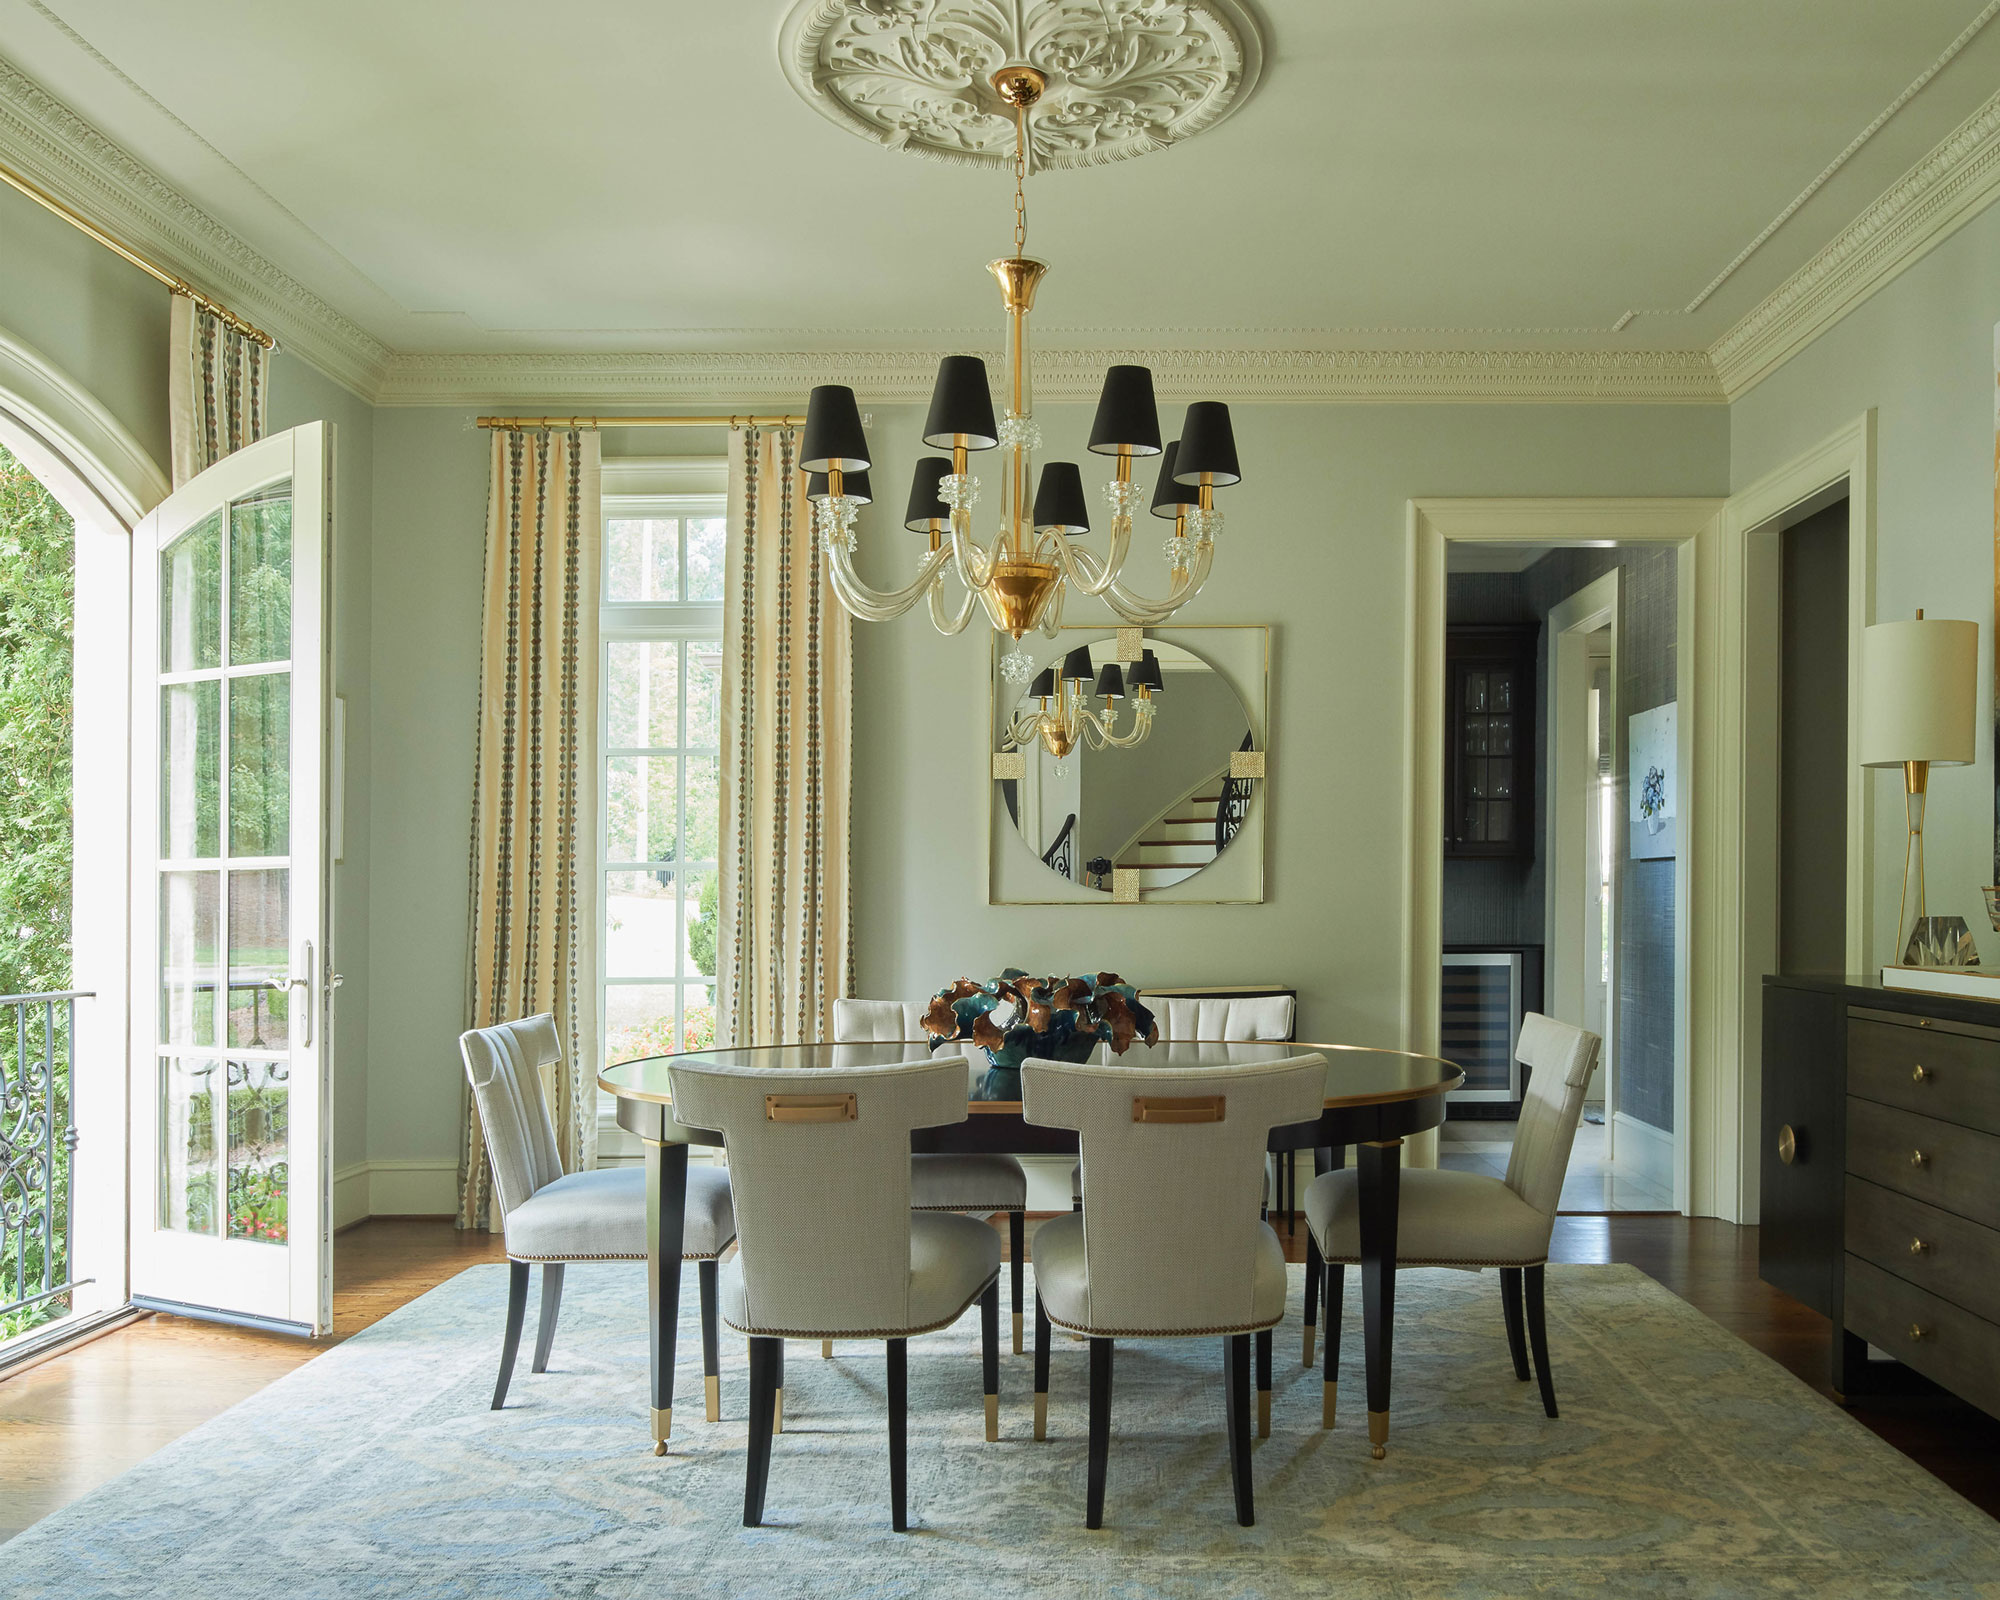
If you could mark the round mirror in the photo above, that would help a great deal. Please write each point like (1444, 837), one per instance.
(1127, 763)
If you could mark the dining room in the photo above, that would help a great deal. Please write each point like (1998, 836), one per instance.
(788, 791)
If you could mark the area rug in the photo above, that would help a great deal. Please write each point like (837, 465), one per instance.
(1684, 1464)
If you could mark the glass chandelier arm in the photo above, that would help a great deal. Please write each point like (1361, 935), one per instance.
(1142, 610)
(947, 622)
(1097, 727)
(879, 605)
(975, 566)
(1083, 569)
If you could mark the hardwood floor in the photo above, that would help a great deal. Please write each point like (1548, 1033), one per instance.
(82, 1418)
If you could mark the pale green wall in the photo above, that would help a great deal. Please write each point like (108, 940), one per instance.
(1920, 352)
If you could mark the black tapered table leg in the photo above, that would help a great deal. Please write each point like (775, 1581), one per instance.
(1236, 1375)
(1380, 1167)
(517, 1313)
(1100, 1432)
(763, 1396)
(666, 1215)
(711, 1343)
(1017, 1247)
(545, 1328)
(989, 1355)
(1538, 1336)
(1264, 1383)
(1041, 1369)
(899, 1434)
(1510, 1309)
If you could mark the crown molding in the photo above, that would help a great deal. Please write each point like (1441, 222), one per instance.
(1645, 377)
(1951, 185)
(43, 138)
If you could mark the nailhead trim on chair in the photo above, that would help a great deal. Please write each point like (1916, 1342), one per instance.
(863, 1333)
(710, 1255)
(973, 1206)
(1157, 1333)
(1436, 1261)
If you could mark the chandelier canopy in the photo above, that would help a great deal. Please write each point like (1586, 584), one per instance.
(1023, 572)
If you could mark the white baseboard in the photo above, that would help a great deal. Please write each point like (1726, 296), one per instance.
(427, 1188)
(1645, 1151)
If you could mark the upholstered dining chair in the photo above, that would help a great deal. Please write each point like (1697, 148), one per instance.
(1467, 1219)
(976, 1183)
(1169, 1243)
(556, 1218)
(819, 1162)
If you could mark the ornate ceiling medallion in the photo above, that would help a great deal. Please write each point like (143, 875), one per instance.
(1123, 76)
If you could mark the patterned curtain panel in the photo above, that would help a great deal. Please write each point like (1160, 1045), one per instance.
(535, 891)
(217, 389)
(785, 938)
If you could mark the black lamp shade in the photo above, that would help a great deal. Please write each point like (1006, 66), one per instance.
(960, 404)
(833, 435)
(1208, 444)
(1044, 686)
(1146, 673)
(1111, 681)
(1076, 665)
(925, 506)
(1128, 422)
(852, 484)
(1059, 504)
(1169, 497)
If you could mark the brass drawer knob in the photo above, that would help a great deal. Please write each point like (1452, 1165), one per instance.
(1790, 1144)
(1918, 1333)
(1918, 1158)
(1921, 1074)
(1919, 1246)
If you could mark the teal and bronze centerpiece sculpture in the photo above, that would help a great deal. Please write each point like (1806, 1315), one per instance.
(1016, 1016)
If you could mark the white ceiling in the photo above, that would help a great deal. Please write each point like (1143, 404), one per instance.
(637, 175)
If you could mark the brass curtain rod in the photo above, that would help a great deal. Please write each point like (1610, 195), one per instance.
(179, 285)
(643, 422)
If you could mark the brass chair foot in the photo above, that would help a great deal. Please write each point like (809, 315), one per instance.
(1017, 1333)
(1378, 1433)
(1329, 1394)
(826, 1349)
(712, 1388)
(1042, 1415)
(778, 1413)
(1263, 1413)
(663, 1429)
(992, 1418)
(1312, 1342)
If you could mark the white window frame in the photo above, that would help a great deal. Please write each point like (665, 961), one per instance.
(654, 488)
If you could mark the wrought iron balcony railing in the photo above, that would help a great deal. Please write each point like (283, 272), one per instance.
(37, 1147)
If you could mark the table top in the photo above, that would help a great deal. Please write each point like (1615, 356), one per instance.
(1356, 1075)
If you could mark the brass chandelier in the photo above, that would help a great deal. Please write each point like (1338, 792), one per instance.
(1070, 720)
(1035, 557)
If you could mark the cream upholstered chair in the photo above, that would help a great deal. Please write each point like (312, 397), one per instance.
(1169, 1243)
(970, 1182)
(819, 1161)
(556, 1218)
(1466, 1219)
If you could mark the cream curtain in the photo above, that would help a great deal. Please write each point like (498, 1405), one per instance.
(217, 389)
(535, 889)
(785, 937)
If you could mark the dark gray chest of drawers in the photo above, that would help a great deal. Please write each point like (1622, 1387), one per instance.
(1881, 1175)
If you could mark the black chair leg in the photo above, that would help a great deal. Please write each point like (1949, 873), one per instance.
(1510, 1308)
(1236, 1375)
(1313, 1265)
(778, 1405)
(545, 1327)
(1041, 1369)
(711, 1343)
(1017, 1247)
(899, 1434)
(1329, 1389)
(989, 1355)
(1538, 1336)
(517, 1313)
(1264, 1384)
(763, 1400)
(1100, 1431)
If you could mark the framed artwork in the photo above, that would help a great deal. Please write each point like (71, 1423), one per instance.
(1653, 738)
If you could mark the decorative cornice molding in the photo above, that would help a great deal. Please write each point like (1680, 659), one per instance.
(1646, 377)
(45, 139)
(1958, 179)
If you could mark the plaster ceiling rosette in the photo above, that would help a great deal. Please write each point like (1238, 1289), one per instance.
(1125, 77)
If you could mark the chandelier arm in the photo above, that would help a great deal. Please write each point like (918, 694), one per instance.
(1142, 609)
(880, 605)
(1142, 724)
(953, 623)
(1081, 567)
(975, 565)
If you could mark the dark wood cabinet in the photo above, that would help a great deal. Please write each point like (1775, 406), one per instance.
(1490, 739)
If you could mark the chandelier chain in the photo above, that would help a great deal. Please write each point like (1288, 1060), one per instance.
(1020, 180)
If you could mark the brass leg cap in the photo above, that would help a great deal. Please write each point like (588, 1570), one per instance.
(1263, 1413)
(992, 1418)
(1017, 1333)
(712, 1388)
(1329, 1395)
(663, 1429)
(1378, 1433)
(1312, 1342)
(826, 1349)
(1042, 1415)
(778, 1413)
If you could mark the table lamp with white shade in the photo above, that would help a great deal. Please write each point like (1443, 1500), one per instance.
(1919, 709)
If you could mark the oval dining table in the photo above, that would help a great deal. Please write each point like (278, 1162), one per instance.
(1375, 1099)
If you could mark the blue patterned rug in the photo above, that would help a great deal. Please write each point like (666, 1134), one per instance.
(1684, 1464)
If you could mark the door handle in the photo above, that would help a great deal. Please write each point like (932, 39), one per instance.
(285, 985)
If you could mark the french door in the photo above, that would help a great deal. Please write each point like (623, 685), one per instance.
(229, 1092)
